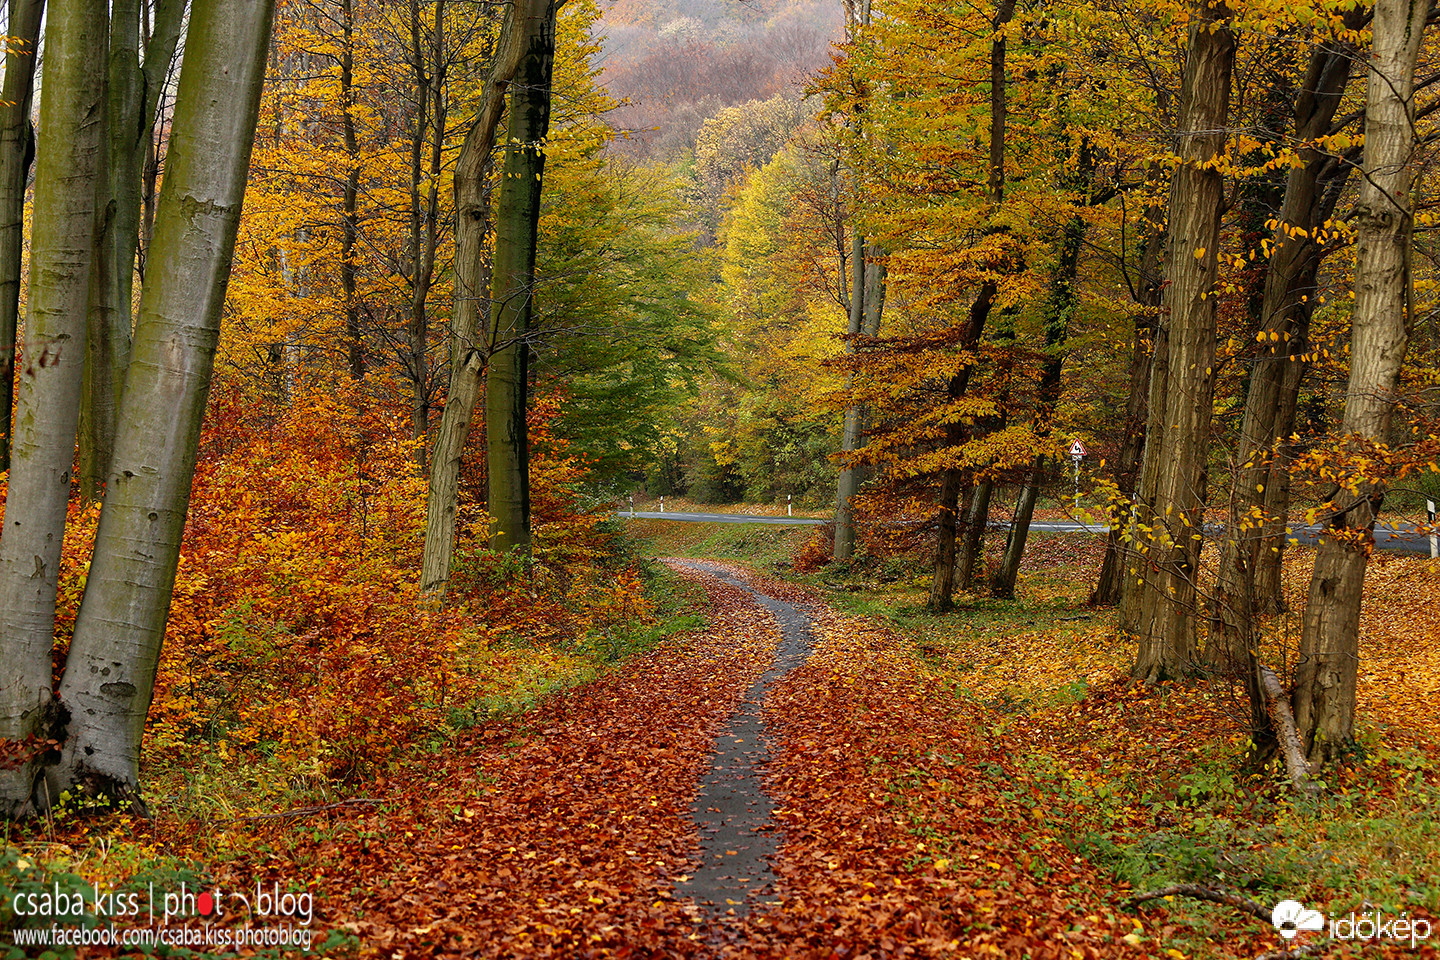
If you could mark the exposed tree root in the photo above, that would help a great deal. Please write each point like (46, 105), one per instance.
(1197, 892)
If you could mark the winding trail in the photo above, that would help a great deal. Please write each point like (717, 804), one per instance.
(733, 811)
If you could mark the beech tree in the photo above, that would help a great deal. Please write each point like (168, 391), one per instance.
(1182, 380)
(61, 248)
(469, 349)
(1324, 693)
(105, 692)
(133, 86)
(17, 151)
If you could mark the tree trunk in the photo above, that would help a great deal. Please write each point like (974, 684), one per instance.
(46, 417)
(517, 218)
(1116, 584)
(849, 480)
(1003, 586)
(977, 519)
(468, 354)
(1324, 692)
(1173, 505)
(1059, 308)
(110, 674)
(852, 438)
(424, 216)
(17, 150)
(1286, 307)
(942, 581)
(349, 216)
(131, 102)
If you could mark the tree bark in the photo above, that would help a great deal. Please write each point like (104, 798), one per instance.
(47, 413)
(1172, 505)
(1324, 692)
(1286, 307)
(132, 99)
(1059, 308)
(349, 215)
(1116, 584)
(431, 111)
(468, 352)
(852, 438)
(17, 150)
(972, 553)
(517, 220)
(110, 673)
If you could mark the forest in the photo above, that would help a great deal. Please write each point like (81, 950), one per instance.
(748, 478)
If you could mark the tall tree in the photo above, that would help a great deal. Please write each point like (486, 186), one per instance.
(110, 671)
(133, 89)
(61, 248)
(942, 583)
(469, 351)
(17, 151)
(1324, 693)
(867, 305)
(512, 302)
(428, 64)
(1172, 499)
(1279, 366)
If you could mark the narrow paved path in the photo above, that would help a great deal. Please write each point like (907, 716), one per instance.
(733, 810)
(869, 812)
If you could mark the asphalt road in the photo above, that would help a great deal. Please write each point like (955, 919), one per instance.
(1404, 539)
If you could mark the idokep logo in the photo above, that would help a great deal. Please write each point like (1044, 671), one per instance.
(1290, 917)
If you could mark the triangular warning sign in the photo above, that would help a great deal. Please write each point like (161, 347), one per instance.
(1077, 450)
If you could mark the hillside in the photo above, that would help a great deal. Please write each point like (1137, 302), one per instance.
(677, 62)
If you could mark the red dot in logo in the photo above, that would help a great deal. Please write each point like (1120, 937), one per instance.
(205, 903)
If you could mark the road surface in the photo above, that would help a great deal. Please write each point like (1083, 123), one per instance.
(1404, 539)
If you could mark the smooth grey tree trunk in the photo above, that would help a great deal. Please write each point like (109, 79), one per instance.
(853, 431)
(132, 99)
(17, 151)
(469, 352)
(1324, 692)
(1172, 503)
(110, 673)
(49, 374)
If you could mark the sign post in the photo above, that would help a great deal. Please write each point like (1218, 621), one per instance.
(1434, 538)
(1077, 453)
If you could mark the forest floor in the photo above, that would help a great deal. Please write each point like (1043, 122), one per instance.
(981, 784)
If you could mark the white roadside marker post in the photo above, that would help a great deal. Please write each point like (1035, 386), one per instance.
(1434, 538)
(662, 504)
(1077, 453)
(632, 505)
(789, 512)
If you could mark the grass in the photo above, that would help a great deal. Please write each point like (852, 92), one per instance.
(756, 544)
